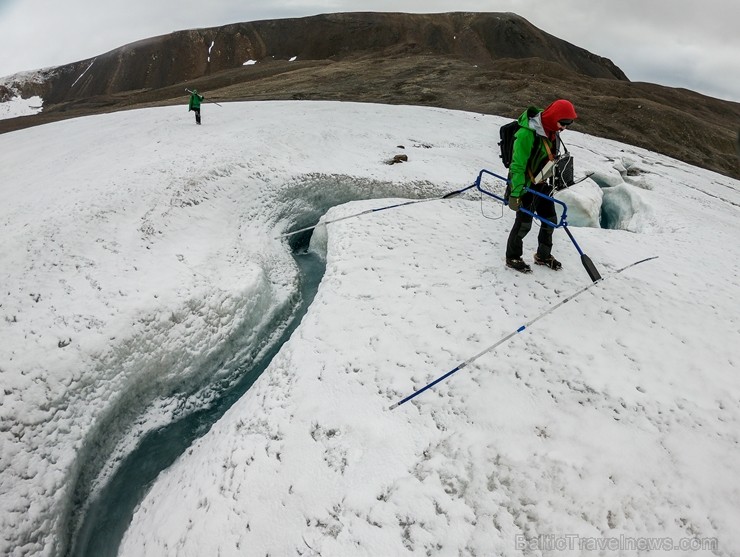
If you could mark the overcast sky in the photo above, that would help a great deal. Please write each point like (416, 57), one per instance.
(679, 43)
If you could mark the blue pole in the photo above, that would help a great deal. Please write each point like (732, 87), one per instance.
(368, 211)
(517, 331)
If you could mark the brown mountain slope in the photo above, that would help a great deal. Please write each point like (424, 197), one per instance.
(489, 62)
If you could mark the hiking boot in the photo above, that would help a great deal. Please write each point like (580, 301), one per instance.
(518, 265)
(549, 261)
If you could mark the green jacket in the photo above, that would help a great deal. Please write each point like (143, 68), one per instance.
(530, 153)
(195, 100)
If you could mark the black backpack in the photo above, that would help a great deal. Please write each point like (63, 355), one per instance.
(507, 133)
(506, 145)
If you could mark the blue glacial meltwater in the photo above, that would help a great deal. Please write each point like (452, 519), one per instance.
(106, 517)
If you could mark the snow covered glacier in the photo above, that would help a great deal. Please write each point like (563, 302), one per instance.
(140, 257)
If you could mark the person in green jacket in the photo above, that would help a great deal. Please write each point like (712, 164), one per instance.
(536, 146)
(194, 104)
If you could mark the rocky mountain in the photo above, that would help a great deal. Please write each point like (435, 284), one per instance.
(494, 63)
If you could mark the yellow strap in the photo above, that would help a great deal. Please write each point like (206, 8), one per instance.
(549, 156)
(549, 152)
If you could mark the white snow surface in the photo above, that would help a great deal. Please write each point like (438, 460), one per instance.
(139, 254)
(18, 106)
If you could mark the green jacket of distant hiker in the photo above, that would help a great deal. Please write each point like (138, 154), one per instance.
(195, 100)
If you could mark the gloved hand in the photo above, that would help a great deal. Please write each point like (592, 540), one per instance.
(515, 203)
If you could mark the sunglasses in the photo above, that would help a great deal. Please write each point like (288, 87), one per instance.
(565, 123)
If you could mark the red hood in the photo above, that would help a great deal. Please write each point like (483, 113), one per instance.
(558, 110)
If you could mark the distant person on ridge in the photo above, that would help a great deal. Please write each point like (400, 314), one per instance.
(194, 105)
(536, 147)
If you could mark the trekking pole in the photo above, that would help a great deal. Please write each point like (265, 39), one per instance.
(513, 333)
(593, 273)
(207, 100)
(368, 211)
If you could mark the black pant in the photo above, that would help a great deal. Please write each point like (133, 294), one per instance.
(197, 115)
(523, 223)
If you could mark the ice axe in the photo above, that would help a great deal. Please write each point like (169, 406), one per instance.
(591, 269)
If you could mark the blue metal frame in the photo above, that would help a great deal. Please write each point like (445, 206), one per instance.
(562, 223)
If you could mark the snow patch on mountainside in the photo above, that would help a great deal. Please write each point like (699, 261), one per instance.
(18, 106)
